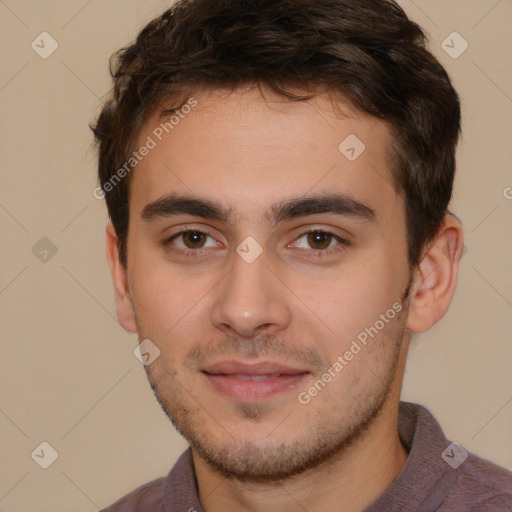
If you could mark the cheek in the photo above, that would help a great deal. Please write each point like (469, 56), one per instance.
(154, 296)
(170, 305)
(350, 300)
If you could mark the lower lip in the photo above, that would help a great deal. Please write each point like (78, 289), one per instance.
(252, 390)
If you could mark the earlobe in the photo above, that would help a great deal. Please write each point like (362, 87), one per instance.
(435, 277)
(124, 306)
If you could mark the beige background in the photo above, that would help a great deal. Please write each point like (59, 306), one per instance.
(68, 375)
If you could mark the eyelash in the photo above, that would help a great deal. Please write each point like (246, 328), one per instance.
(318, 253)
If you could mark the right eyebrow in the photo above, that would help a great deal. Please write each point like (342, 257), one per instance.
(178, 204)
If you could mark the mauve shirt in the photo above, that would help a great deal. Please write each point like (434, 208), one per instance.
(436, 477)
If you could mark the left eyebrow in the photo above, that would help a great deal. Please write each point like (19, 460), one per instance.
(341, 204)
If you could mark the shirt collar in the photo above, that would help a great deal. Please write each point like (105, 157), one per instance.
(419, 432)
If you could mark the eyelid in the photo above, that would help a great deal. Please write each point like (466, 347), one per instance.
(332, 230)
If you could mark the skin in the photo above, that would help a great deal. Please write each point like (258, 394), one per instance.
(341, 450)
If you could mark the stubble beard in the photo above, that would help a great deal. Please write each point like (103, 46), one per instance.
(322, 443)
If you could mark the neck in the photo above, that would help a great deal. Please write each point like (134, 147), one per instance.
(350, 482)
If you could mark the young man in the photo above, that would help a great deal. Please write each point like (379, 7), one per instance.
(278, 175)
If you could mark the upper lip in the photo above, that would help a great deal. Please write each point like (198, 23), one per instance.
(261, 368)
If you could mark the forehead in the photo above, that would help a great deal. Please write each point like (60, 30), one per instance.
(248, 151)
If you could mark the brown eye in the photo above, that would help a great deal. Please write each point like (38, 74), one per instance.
(189, 240)
(193, 239)
(318, 242)
(319, 239)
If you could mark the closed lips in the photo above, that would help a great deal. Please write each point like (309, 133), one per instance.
(253, 377)
(257, 371)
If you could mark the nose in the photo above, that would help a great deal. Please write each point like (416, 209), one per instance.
(251, 299)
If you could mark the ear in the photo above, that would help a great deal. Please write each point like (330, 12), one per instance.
(124, 306)
(435, 277)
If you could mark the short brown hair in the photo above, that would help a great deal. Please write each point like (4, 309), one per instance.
(368, 50)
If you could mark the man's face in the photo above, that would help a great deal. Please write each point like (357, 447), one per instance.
(250, 311)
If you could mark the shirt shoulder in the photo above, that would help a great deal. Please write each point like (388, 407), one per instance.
(499, 503)
(433, 479)
(176, 491)
(145, 498)
(484, 485)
